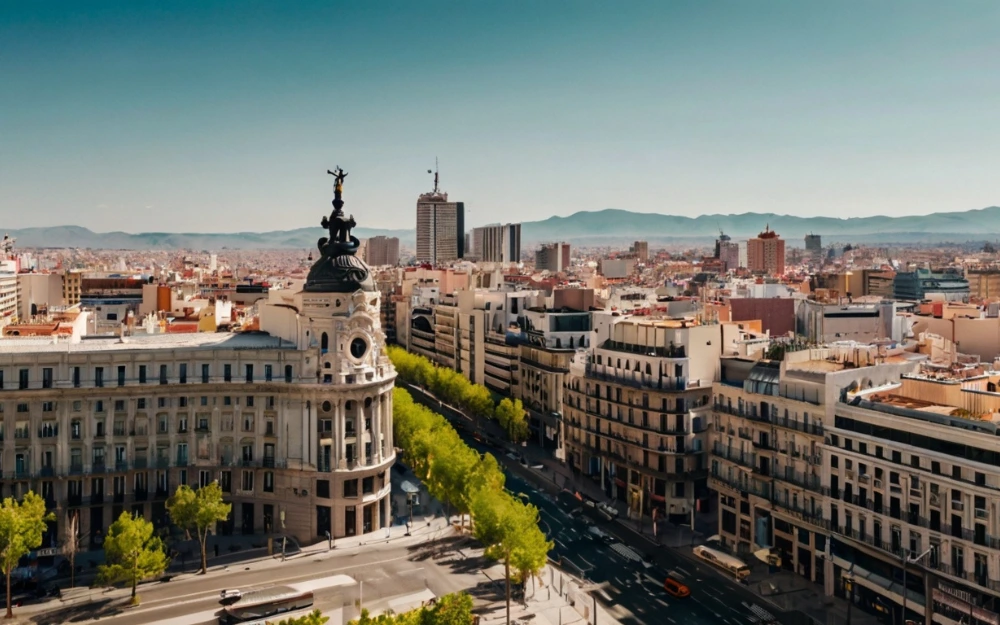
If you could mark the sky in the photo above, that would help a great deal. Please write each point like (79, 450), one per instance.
(207, 116)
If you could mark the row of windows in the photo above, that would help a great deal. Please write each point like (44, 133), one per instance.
(143, 403)
(24, 375)
(903, 437)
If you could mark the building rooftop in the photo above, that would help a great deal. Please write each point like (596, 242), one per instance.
(144, 342)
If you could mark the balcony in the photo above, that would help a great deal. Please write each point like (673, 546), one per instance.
(141, 494)
(162, 463)
(76, 468)
(98, 466)
(781, 422)
(47, 471)
(140, 463)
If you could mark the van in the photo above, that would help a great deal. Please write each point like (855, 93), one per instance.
(675, 588)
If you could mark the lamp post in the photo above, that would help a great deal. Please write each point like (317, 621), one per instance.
(907, 560)
(329, 540)
(409, 516)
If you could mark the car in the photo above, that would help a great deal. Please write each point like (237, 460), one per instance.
(599, 534)
(675, 588)
(608, 510)
(230, 594)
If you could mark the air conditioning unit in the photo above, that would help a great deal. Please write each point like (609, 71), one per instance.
(863, 478)
(878, 483)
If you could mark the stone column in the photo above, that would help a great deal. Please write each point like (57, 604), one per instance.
(340, 447)
(377, 429)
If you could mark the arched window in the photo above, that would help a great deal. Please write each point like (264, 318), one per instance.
(324, 343)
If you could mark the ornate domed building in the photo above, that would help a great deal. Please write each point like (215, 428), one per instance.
(295, 422)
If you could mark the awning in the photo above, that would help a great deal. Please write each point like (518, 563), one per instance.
(409, 487)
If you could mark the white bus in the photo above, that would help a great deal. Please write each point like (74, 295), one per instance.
(734, 566)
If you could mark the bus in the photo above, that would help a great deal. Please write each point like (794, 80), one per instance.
(257, 605)
(734, 566)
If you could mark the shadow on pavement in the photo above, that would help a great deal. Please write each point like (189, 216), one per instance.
(86, 611)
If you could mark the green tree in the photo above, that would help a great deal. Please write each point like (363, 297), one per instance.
(453, 609)
(313, 618)
(21, 527)
(199, 511)
(510, 415)
(509, 531)
(133, 553)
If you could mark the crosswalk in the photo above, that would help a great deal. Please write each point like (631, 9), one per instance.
(626, 552)
(760, 615)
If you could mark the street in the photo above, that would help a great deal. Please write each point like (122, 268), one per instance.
(626, 570)
(383, 576)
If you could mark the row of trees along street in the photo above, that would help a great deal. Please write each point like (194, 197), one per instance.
(473, 484)
(132, 549)
(453, 388)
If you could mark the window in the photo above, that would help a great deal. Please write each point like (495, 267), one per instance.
(268, 481)
(323, 488)
(226, 481)
(268, 370)
(76, 377)
(249, 373)
(288, 374)
(162, 402)
(204, 374)
(121, 375)
(227, 401)
(22, 407)
(22, 382)
(227, 373)
(140, 404)
(142, 374)
(182, 402)
(76, 429)
(204, 400)
(249, 401)
(368, 485)
(204, 478)
(47, 377)
(48, 406)
(99, 406)
(119, 405)
(99, 377)
(247, 481)
(182, 373)
(350, 488)
(163, 374)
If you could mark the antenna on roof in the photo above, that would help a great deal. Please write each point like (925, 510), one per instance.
(435, 172)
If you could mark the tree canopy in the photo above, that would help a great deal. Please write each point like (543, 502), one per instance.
(199, 511)
(453, 609)
(313, 618)
(132, 551)
(22, 524)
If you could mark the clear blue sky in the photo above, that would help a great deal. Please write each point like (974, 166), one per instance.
(211, 116)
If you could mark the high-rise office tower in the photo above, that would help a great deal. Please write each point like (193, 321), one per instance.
(766, 253)
(497, 243)
(382, 250)
(440, 227)
(552, 257)
(814, 247)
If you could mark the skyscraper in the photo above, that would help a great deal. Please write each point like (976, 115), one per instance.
(440, 227)
(382, 250)
(497, 243)
(814, 247)
(766, 253)
(552, 257)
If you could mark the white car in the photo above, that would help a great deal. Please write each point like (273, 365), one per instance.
(230, 594)
(608, 510)
(599, 534)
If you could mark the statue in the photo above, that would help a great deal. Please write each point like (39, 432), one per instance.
(338, 270)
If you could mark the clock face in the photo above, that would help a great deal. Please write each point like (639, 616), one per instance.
(359, 347)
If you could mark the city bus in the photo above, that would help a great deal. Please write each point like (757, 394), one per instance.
(255, 605)
(734, 566)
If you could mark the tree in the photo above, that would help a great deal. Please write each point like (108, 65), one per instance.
(509, 530)
(511, 417)
(72, 544)
(21, 527)
(132, 551)
(313, 618)
(199, 512)
(453, 609)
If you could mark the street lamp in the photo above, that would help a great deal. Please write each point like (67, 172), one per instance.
(907, 560)
(409, 516)
(329, 540)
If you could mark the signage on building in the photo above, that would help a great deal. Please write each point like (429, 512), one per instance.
(951, 597)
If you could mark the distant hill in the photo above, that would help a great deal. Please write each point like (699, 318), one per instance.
(605, 227)
(600, 226)
(77, 237)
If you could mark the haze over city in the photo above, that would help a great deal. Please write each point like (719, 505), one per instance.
(218, 117)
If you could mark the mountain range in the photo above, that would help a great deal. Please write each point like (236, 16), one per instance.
(604, 227)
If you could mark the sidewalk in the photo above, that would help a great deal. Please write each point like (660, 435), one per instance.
(557, 598)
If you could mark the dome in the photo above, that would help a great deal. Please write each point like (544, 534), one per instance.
(338, 269)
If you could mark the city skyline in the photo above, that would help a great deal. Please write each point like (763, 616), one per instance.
(138, 119)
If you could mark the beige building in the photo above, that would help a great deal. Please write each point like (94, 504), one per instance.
(636, 412)
(295, 424)
(381, 251)
(72, 287)
(440, 228)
